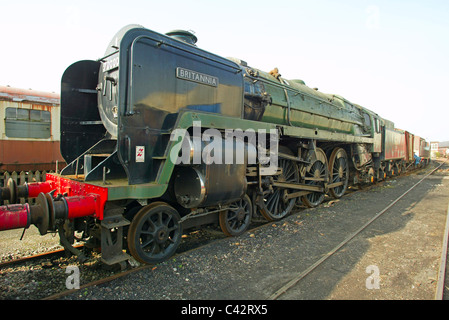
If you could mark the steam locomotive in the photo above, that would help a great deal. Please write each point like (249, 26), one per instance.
(161, 137)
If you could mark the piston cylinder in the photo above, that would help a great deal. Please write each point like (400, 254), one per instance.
(216, 182)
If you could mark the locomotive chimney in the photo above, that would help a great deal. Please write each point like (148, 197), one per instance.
(183, 35)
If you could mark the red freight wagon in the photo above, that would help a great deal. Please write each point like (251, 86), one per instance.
(409, 140)
(395, 146)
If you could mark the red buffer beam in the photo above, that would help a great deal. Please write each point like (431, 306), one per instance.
(73, 200)
(60, 186)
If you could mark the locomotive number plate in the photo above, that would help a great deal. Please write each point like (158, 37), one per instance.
(198, 77)
(111, 64)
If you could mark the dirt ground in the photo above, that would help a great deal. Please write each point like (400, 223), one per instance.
(407, 259)
(397, 257)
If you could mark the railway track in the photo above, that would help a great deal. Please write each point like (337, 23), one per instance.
(31, 258)
(441, 279)
(278, 293)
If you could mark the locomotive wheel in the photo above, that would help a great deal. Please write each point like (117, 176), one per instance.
(393, 171)
(154, 233)
(380, 174)
(236, 220)
(315, 174)
(339, 172)
(274, 205)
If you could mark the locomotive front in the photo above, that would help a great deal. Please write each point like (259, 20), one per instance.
(117, 119)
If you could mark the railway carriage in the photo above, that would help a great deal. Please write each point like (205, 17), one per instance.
(29, 130)
(161, 136)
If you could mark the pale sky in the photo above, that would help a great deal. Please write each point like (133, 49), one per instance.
(391, 57)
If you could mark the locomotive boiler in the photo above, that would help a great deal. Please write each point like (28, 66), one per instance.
(254, 145)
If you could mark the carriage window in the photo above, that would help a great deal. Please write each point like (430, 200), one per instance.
(11, 113)
(23, 114)
(35, 115)
(26, 123)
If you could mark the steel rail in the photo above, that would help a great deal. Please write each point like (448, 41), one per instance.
(35, 257)
(303, 274)
(442, 271)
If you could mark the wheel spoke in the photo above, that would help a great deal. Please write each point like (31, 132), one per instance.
(151, 223)
(273, 200)
(276, 206)
(147, 243)
(174, 228)
(169, 219)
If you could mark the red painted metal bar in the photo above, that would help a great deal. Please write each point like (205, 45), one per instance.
(23, 215)
(14, 216)
(35, 188)
(81, 206)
